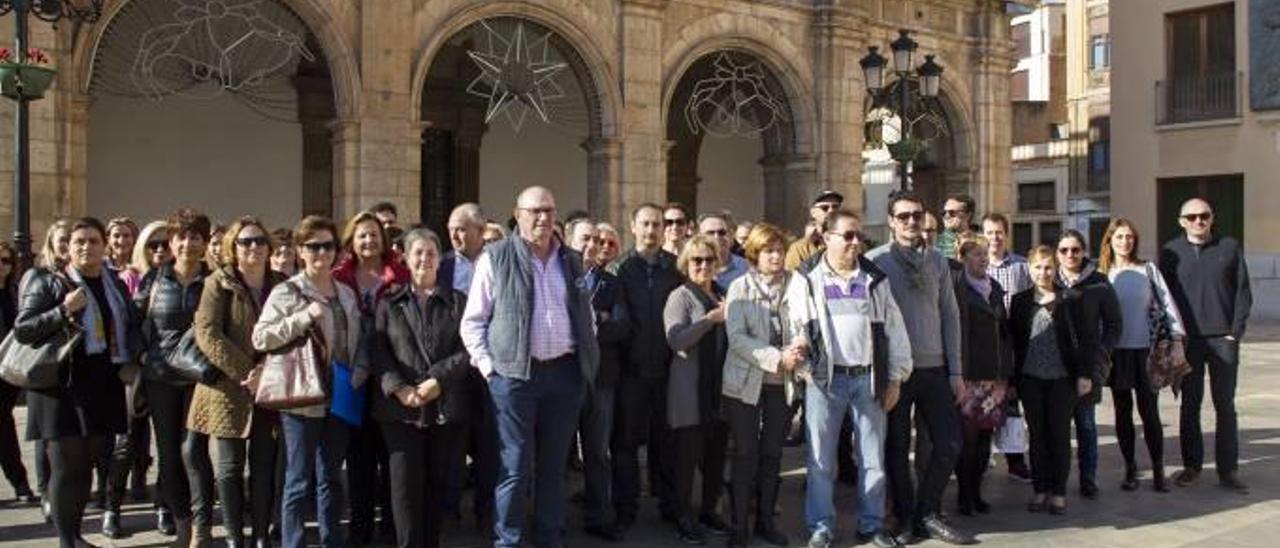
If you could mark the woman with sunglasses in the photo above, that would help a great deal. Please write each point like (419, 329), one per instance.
(1140, 287)
(370, 270)
(74, 416)
(315, 440)
(150, 250)
(229, 306)
(10, 450)
(694, 319)
(1092, 302)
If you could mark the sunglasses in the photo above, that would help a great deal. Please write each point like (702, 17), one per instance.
(717, 233)
(157, 246)
(674, 222)
(826, 206)
(8, 261)
(849, 235)
(953, 212)
(700, 261)
(1070, 250)
(904, 216)
(320, 247)
(253, 241)
(1193, 217)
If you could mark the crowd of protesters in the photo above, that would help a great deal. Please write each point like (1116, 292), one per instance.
(496, 356)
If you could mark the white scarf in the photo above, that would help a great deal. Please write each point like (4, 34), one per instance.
(95, 333)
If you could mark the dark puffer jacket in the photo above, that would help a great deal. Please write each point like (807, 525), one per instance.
(412, 346)
(168, 316)
(1095, 313)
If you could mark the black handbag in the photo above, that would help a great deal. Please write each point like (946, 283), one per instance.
(186, 361)
(37, 366)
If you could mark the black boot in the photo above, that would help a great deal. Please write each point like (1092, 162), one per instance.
(231, 496)
(764, 511)
(1158, 481)
(1130, 482)
(111, 525)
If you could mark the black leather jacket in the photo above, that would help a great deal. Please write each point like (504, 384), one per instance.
(168, 315)
(411, 347)
(645, 288)
(40, 315)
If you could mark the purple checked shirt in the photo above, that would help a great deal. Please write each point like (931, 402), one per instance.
(550, 332)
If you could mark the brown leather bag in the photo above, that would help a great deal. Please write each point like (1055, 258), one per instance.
(296, 375)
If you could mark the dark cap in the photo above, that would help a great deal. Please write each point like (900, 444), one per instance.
(828, 196)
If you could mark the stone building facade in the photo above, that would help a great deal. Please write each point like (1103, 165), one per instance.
(365, 112)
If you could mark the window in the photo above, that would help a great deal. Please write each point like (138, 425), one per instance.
(1100, 52)
(1200, 66)
(1099, 154)
(1022, 40)
(1050, 231)
(1036, 196)
(1022, 237)
(1097, 229)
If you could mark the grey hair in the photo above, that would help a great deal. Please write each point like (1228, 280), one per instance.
(421, 233)
(471, 212)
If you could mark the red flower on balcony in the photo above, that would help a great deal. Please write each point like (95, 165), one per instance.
(35, 56)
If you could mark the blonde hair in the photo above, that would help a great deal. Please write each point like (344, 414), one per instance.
(1042, 252)
(967, 242)
(140, 255)
(695, 244)
(48, 255)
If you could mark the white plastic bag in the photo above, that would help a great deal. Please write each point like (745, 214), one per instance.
(1012, 437)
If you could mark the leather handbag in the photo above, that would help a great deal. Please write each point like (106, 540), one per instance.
(187, 362)
(295, 375)
(1165, 365)
(37, 366)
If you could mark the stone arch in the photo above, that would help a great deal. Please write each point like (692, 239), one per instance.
(318, 18)
(574, 22)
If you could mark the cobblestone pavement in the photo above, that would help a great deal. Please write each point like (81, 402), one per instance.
(1201, 515)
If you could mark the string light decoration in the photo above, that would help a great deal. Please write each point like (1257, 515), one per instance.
(517, 75)
(733, 100)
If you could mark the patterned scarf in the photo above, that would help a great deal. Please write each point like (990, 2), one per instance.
(96, 338)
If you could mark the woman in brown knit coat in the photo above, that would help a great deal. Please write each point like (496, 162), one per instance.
(233, 297)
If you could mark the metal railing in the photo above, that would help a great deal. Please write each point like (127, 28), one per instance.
(1198, 98)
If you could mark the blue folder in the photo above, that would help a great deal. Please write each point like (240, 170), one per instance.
(347, 402)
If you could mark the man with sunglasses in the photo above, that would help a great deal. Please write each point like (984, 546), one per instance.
(957, 213)
(802, 251)
(920, 280)
(719, 226)
(861, 357)
(1209, 280)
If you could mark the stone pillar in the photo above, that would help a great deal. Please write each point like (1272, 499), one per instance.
(315, 113)
(643, 164)
(603, 155)
(992, 60)
(788, 187)
(841, 93)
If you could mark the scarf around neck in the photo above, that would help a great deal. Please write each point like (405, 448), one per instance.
(95, 332)
(912, 262)
(981, 285)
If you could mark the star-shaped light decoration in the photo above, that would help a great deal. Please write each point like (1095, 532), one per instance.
(516, 75)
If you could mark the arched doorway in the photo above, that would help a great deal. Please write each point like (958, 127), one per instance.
(524, 92)
(221, 106)
(728, 120)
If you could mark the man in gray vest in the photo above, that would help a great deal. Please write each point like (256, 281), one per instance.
(529, 329)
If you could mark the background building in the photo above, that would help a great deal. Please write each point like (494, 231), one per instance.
(1197, 113)
(355, 101)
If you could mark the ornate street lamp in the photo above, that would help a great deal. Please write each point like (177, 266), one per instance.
(24, 80)
(911, 98)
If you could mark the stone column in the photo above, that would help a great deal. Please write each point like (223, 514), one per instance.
(993, 60)
(643, 171)
(603, 155)
(839, 44)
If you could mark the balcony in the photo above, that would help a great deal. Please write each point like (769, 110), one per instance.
(1198, 98)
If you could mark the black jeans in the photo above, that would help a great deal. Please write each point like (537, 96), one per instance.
(758, 432)
(1049, 406)
(700, 447)
(10, 450)
(929, 392)
(1222, 359)
(71, 469)
(1148, 409)
(418, 459)
(169, 418)
(368, 478)
(226, 474)
(641, 401)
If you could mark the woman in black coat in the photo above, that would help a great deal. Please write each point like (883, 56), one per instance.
(986, 349)
(10, 451)
(424, 397)
(74, 416)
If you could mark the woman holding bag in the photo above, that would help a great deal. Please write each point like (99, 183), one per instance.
(229, 307)
(315, 441)
(73, 417)
(1141, 290)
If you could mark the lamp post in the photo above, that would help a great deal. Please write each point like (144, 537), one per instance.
(24, 83)
(927, 80)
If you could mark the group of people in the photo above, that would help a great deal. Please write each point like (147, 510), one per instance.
(489, 363)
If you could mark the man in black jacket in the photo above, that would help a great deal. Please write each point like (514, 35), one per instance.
(648, 275)
(596, 425)
(1210, 282)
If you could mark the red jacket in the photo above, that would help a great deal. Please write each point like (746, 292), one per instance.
(394, 273)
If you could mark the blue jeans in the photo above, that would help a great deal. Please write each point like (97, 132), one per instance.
(314, 447)
(824, 411)
(536, 420)
(1087, 440)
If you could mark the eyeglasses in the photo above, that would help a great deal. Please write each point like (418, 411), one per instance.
(826, 206)
(953, 212)
(717, 233)
(320, 247)
(1193, 217)
(608, 243)
(700, 261)
(253, 241)
(674, 222)
(848, 235)
(1070, 251)
(539, 211)
(156, 246)
(904, 216)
